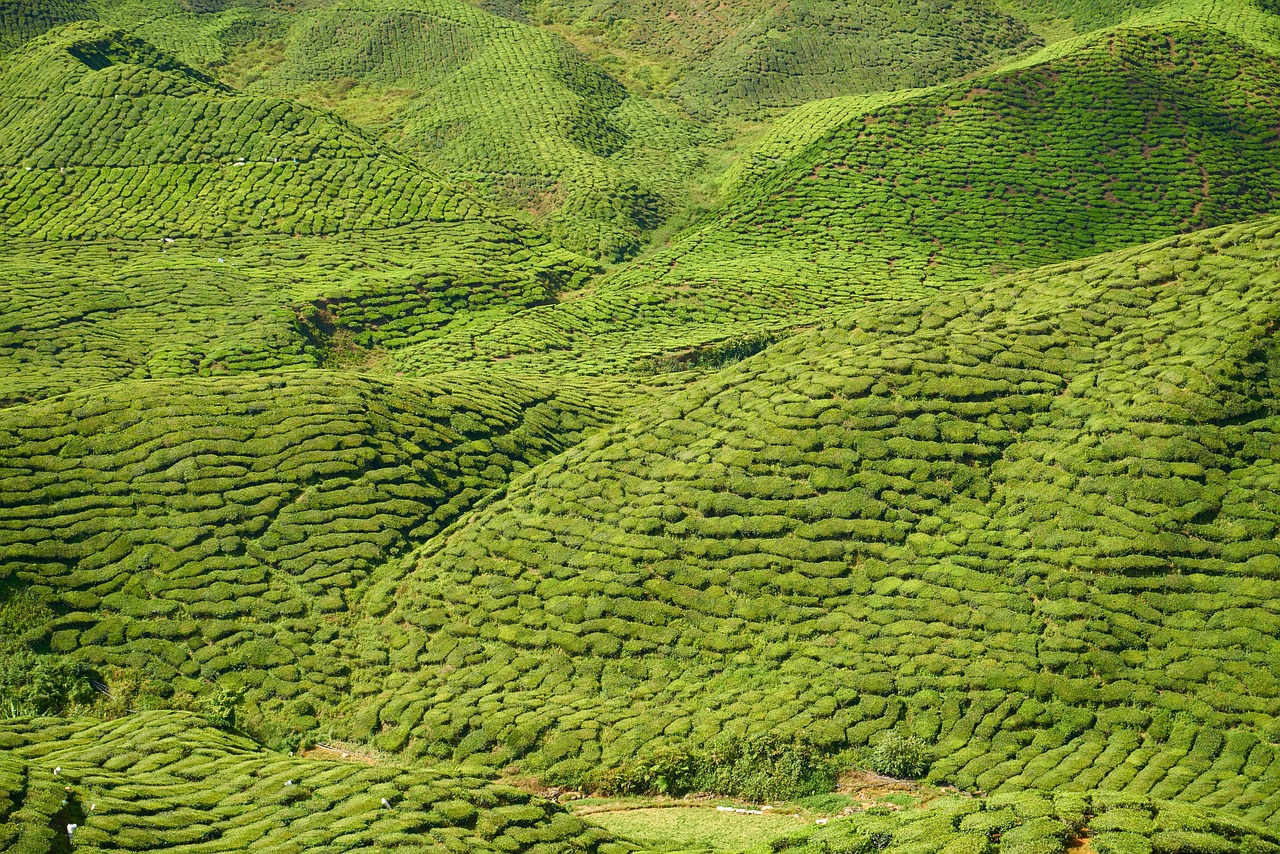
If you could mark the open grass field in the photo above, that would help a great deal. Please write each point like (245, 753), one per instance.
(479, 426)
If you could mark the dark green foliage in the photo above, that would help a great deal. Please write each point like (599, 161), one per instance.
(33, 684)
(899, 755)
(22, 20)
(757, 768)
(752, 56)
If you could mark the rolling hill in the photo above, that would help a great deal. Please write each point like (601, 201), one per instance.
(1104, 143)
(547, 399)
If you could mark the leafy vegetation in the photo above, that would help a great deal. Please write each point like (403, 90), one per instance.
(402, 396)
(164, 780)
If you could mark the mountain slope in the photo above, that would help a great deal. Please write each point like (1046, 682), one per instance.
(511, 110)
(1033, 521)
(157, 224)
(742, 59)
(1131, 135)
(190, 528)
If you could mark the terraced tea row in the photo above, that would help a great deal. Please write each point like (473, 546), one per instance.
(167, 782)
(719, 60)
(1139, 134)
(1031, 823)
(191, 529)
(896, 196)
(513, 111)
(75, 314)
(101, 135)
(1033, 521)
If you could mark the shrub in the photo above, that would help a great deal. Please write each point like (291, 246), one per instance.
(902, 756)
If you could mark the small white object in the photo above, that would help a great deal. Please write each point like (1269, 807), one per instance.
(288, 782)
(92, 807)
(386, 803)
(57, 771)
(71, 829)
(219, 260)
(821, 821)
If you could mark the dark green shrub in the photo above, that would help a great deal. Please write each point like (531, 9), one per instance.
(902, 756)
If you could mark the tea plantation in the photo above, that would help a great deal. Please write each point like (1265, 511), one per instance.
(166, 781)
(417, 416)
(1031, 522)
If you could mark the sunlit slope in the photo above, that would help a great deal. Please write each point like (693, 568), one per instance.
(741, 59)
(193, 528)
(1034, 521)
(512, 110)
(166, 781)
(1139, 134)
(1133, 135)
(102, 135)
(157, 224)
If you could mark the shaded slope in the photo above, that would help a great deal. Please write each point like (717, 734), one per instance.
(23, 20)
(1035, 522)
(166, 781)
(188, 529)
(745, 58)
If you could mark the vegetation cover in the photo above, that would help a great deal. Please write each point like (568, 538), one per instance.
(858, 422)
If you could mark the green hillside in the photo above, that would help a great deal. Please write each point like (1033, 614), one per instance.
(556, 427)
(168, 781)
(189, 529)
(719, 59)
(157, 224)
(1111, 142)
(1031, 521)
(510, 110)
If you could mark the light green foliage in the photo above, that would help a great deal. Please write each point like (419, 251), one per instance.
(1028, 522)
(895, 197)
(161, 781)
(512, 111)
(317, 425)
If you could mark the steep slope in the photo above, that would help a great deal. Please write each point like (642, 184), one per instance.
(157, 224)
(1129, 136)
(190, 528)
(167, 781)
(511, 110)
(1034, 522)
(745, 58)
(102, 135)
